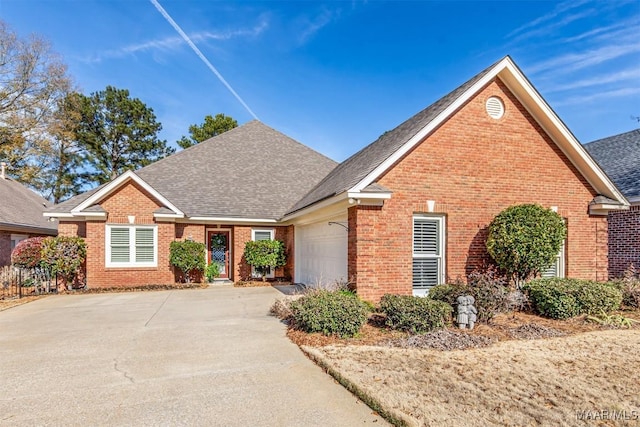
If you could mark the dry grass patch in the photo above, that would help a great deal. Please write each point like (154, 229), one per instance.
(515, 382)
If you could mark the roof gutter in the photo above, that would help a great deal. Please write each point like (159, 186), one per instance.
(18, 228)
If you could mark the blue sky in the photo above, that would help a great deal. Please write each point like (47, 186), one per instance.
(335, 75)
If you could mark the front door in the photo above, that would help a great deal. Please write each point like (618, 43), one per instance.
(218, 250)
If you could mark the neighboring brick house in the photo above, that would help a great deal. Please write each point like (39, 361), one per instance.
(619, 156)
(407, 212)
(20, 216)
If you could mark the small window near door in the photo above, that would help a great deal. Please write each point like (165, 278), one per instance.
(428, 253)
(262, 234)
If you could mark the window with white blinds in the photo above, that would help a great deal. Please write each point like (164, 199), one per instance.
(258, 234)
(261, 235)
(557, 268)
(131, 246)
(428, 253)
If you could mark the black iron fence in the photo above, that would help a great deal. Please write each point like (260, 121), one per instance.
(17, 282)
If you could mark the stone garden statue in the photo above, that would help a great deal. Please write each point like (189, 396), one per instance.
(467, 313)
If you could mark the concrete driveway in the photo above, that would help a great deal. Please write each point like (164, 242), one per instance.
(184, 357)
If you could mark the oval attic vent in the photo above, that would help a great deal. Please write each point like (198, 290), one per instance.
(495, 107)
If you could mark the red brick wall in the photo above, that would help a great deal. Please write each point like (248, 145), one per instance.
(624, 240)
(286, 235)
(72, 228)
(242, 234)
(130, 199)
(473, 166)
(5, 248)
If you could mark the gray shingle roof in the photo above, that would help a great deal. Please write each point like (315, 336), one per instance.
(252, 171)
(21, 208)
(619, 157)
(71, 203)
(357, 167)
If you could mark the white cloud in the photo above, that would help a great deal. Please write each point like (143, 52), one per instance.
(570, 62)
(312, 26)
(559, 9)
(548, 29)
(584, 99)
(632, 74)
(169, 44)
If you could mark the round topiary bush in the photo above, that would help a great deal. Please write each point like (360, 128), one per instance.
(524, 240)
(28, 253)
(330, 313)
(188, 256)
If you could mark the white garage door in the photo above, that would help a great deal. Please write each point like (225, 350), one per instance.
(321, 252)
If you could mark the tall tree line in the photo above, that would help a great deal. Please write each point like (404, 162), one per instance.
(59, 141)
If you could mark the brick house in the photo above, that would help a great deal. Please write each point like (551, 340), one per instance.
(405, 213)
(619, 156)
(223, 192)
(20, 216)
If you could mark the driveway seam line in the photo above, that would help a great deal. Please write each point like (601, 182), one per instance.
(158, 310)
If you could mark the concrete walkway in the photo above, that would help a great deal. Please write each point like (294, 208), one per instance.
(180, 358)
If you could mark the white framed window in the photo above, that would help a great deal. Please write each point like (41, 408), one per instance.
(17, 238)
(131, 246)
(557, 268)
(428, 253)
(262, 234)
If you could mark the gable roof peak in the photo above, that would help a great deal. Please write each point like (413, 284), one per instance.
(359, 170)
(368, 164)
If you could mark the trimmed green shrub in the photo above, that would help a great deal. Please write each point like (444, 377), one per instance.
(330, 313)
(551, 299)
(265, 254)
(565, 298)
(212, 271)
(188, 256)
(524, 240)
(414, 314)
(449, 292)
(64, 256)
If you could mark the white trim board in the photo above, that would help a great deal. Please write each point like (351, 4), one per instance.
(117, 183)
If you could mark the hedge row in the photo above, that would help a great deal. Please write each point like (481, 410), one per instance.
(565, 298)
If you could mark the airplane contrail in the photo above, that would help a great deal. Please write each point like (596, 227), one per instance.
(201, 56)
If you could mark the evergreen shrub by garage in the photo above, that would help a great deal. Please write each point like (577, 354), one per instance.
(565, 298)
(330, 313)
(414, 314)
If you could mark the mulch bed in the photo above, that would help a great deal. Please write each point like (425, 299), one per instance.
(165, 287)
(504, 327)
(443, 339)
(257, 283)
